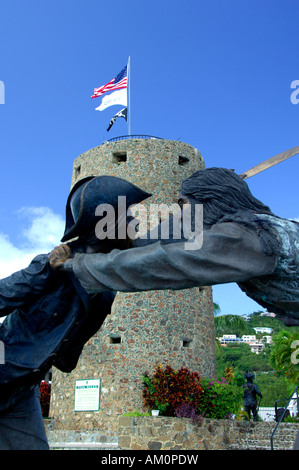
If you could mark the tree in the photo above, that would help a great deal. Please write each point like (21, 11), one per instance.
(273, 387)
(217, 308)
(230, 323)
(240, 357)
(284, 356)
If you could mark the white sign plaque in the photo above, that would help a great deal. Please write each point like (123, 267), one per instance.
(87, 395)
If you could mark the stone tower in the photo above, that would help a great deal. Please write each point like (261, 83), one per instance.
(148, 328)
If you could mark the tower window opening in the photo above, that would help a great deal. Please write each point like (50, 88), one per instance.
(119, 157)
(183, 160)
(114, 339)
(77, 171)
(187, 343)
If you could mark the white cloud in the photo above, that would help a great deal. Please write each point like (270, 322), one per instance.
(40, 231)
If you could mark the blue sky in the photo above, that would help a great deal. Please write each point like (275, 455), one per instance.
(214, 74)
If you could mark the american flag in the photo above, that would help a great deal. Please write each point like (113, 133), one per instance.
(120, 81)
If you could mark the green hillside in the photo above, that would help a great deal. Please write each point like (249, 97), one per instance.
(239, 356)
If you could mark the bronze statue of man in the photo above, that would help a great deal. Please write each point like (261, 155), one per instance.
(49, 316)
(251, 392)
(242, 242)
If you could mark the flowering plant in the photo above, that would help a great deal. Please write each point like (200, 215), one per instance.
(220, 399)
(185, 394)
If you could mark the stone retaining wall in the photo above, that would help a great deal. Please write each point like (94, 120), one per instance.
(174, 434)
(162, 433)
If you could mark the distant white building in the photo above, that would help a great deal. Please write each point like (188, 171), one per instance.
(268, 314)
(249, 338)
(227, 339)
(256, 347)
(230, 337)
(263, 329)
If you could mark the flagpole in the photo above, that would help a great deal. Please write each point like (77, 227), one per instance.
(129, 95)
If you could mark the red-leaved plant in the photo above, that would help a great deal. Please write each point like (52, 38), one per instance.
(45, 394)
(168, 389)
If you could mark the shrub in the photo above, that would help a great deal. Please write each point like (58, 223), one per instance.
(168, 389)
(45, 394)
(220, 399)
(187, 395)
(188, 411)
(229, 374)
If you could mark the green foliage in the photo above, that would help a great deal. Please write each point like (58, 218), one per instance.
(274, 384)
(256, 320)
(216, 308)
(291, 419)
(240, 357)
(136, 413)
(220, 399)
(273, 387)
(169, 391)
(227, 323)
(284, 356)
(239, 379)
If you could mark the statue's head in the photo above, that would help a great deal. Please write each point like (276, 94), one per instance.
(222, 192)
(95, 192)
(249, 376)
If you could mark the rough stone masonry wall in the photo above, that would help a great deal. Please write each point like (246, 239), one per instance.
(144, 329)
(162, 433)
(157, 165)
(145, 341)
(176, 434)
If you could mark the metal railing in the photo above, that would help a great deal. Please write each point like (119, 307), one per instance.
(135, 136)
(283, 413)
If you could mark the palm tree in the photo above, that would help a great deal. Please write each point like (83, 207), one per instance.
(231, 322)
(224, 322)
(217, 308)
